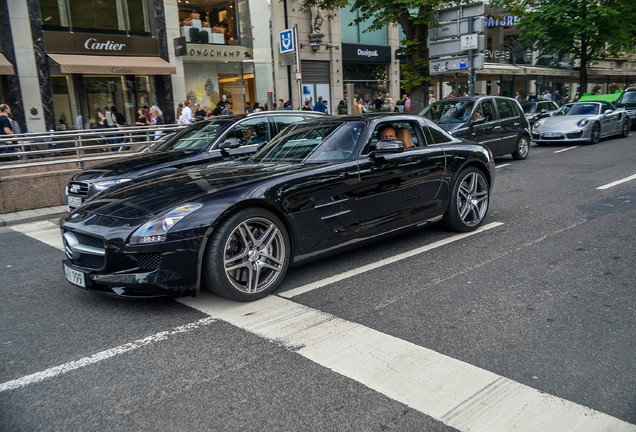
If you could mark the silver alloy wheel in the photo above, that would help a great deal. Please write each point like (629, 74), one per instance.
(524, 145)
(254, 255)
(472, 199)
(627, 126)
(596, 134)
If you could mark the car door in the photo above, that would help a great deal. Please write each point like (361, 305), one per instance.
(395, 187)
(609, 120)
(485, 127)
(510, 125)
(251, 132)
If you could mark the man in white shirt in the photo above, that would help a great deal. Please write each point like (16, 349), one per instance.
(186, 114)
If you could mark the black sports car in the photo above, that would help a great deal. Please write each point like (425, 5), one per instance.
(218, 138)
(235, 227)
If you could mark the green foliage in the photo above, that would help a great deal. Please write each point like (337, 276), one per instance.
(584, 30)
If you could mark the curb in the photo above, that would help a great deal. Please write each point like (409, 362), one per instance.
(26, 216)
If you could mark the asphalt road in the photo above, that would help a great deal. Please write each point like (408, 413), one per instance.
(544, 299)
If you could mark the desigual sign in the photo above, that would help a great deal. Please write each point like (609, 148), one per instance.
(95, 45)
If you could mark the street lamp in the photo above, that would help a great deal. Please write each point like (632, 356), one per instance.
(527, 58)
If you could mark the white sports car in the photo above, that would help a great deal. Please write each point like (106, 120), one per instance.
(582, 121)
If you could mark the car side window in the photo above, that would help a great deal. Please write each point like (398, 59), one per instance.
(285, 120)
(486, 110)
(504, 108)
(252, 131)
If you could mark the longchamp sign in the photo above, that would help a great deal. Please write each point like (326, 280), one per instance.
(217, 53)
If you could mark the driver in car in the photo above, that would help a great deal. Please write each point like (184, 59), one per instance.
(387, 131)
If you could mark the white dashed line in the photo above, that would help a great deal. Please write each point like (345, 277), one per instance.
(566, 149)
(617, 182)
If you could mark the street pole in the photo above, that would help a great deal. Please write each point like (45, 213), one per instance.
(471, 66)
(298, 71)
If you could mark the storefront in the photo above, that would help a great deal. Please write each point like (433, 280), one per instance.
(367, 68)
(89, 72)
(216, 49)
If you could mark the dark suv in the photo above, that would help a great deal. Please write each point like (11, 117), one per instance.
(536, 110)
(627, 100)
(495, 121)
(215, 139)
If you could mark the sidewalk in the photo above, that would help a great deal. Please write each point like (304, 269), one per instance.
(26, 216)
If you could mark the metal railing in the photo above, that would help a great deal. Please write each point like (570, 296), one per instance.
(30, 149)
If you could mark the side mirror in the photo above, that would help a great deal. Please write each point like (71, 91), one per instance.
(389, 146)
(543, 111)
(230, 143)
(479, 120)
(609, 111)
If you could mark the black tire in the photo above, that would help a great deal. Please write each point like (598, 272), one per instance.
(596, 134)
(523, 148)
(627, 126)
(247, 256)
(469, 200)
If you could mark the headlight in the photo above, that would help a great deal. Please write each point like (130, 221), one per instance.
(582, 122)
(100, 186)
(537, 124)
(155, 230)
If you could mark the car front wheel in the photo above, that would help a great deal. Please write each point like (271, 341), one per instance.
(523, 148)
(595, 137)
(247, 256)
(469, 201)
(627, 126)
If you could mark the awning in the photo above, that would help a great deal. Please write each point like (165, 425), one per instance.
(6, 68)
(113, 65)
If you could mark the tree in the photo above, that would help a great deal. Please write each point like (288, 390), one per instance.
(584, 30)
(415, 17)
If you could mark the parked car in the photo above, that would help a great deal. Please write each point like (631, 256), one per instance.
(235, 227)
(495, 121)
(538, 109)
(218, 138)
(582, 121)
(627, 101)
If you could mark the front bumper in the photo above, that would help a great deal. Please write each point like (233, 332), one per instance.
(558, 137)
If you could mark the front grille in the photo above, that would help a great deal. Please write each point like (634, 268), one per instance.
(560, 137)
(84, 250)
(149, 261)
(575, 135)
(90, 261)
(89, 240)
(78, 188)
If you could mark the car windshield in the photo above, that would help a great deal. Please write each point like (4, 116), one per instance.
(448, 111)
(195, 137)
(317, 142)
(529, 107)
(583, 109)
(628, 97)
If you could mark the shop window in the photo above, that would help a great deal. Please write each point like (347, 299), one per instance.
(223, 22)
(356, 33)
(368, 79)
(105, 16)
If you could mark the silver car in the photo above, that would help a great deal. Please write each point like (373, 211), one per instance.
(582, 121)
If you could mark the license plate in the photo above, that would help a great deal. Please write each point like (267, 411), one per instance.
(75, 277)
(73, 201)
(551, 134)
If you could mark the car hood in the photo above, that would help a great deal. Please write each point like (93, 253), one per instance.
(562, 122)
(143, 198)
(134, 165)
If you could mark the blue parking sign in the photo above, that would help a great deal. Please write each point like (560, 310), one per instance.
(463, 64)
(286, 41)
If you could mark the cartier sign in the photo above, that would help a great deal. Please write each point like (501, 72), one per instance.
(94, 44)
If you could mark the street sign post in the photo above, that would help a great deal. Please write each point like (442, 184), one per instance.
(457, 44)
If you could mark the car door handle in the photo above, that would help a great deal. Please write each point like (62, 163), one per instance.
(497, 127)
(516, 124)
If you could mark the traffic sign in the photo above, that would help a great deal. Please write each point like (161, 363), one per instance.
(455, 64)
(448, 47)
(458, 12)
(286, 41)
(457, 28)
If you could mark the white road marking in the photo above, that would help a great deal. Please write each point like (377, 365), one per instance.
(100, 356)
(454, 392)
(395, 258)
(617, 182)
(451, 391)
(566, 149)
(502, 165)
(45, 231)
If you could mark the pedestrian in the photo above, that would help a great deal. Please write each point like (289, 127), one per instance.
(407, 103)
(119, 117)
(6, 130)
(378, 102)
(199, 113)
(141, 118)
(156, 116)
(226, 109)
(388, 102)
(111, 121)
(248, 108)
(257, 107)
(281, 105)
(320, 106)
(548, 95)
(325, 102)
(307, 106)
(342, 109)
(186, 115)
(179, 112)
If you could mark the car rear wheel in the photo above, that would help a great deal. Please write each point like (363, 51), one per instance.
(247, 256)
(469, 201)
(523, 148)
(627, 126)
(596, 134)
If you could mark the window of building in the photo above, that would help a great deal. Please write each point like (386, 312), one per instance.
(218, 22)
(368, 79)
(355, 33)
(102, 16)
